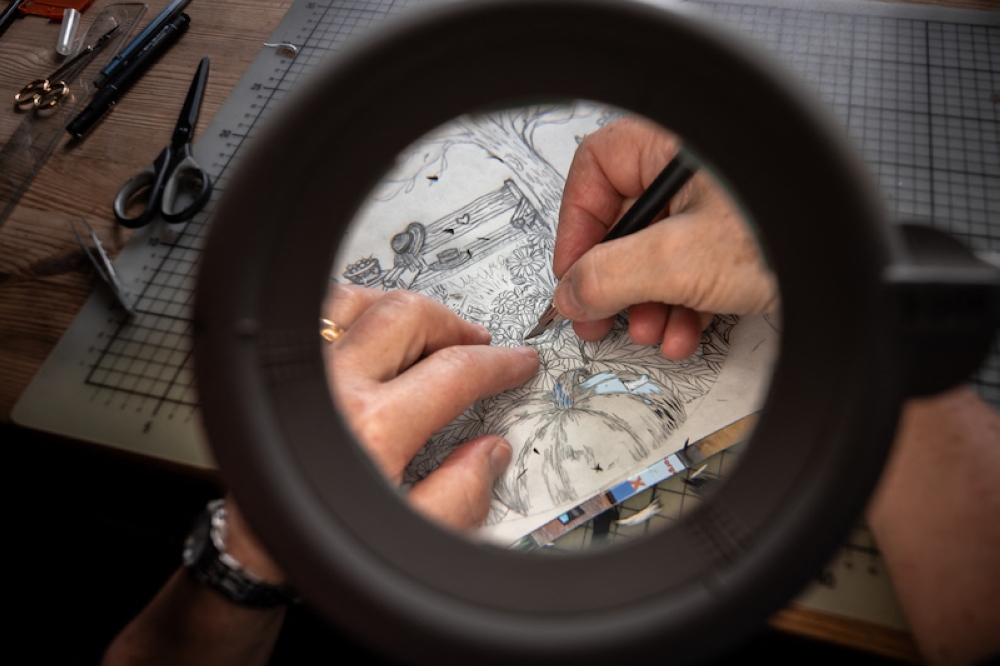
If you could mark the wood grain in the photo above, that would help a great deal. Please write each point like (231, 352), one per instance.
(43, 280)
(37, 260)
(848, 632)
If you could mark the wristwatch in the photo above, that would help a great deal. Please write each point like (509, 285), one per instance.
(208, 562)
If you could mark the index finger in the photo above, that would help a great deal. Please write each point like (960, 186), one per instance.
(395, 331)
(406, 411)
(610, 169)
(346, 302)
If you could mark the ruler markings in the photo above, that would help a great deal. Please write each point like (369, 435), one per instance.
(175, 304)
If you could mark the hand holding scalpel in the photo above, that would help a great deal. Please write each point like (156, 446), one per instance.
(642, 213)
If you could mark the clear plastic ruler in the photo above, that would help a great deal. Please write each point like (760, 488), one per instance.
(39, 132)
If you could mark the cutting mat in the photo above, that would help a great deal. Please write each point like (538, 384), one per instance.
(129, 383)
(917, 88)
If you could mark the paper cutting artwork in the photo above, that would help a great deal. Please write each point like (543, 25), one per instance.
(468, 218)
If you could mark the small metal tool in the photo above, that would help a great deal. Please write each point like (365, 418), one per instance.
(174, 185)
(46, 93)
(286, 49)
(102, 262)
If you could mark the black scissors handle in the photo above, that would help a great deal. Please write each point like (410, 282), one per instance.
(174, 186)
(148, 183)
(187, 189)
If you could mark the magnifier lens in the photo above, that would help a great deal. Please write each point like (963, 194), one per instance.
(357, 551)
(627, 422)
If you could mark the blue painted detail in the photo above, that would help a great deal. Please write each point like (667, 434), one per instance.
(622, 491)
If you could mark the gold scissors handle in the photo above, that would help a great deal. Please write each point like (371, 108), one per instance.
(31, 92)
(52, 96)
(41, 93)
(46, 93)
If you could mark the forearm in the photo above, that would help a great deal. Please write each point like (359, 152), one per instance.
(190, 623)
(936, 518)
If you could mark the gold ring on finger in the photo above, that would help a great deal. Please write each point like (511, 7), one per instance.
(331, 330)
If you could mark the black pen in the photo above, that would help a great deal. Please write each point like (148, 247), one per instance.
(9, 15)
(108, 96)
(136, 46)
(639, 216)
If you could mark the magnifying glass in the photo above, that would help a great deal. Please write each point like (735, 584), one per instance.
(915, 314)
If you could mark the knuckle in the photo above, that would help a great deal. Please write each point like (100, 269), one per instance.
(406, 305)
(402, 298)
(457, 358)
(345, 299)
(588, 282)
(473, 503)
(367, 424)
(476, 509)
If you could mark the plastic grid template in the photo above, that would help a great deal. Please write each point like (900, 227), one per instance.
(149, 357)
(917, 96)
(922, 100)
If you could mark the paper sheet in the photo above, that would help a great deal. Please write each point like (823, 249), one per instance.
(468, 218)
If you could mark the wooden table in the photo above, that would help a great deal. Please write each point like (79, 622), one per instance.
(45, 278)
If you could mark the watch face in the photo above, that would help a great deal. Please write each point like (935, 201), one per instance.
(197, 540)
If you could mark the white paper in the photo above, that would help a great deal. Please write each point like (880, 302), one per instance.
(468, 218)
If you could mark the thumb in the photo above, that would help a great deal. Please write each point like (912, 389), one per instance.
(705, 262)
(614, 275)
(457, 494)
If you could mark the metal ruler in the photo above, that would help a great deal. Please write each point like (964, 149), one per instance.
(916, 87)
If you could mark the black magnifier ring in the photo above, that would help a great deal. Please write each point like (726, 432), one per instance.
(352, 546)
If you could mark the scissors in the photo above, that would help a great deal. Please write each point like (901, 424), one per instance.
(174, 185)
(46, 93)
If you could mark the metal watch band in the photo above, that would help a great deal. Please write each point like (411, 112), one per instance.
(239, 587)
(208, 563)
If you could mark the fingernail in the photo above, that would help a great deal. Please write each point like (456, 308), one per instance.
(485, 332)
(565, 301)
(527, 351)
(500, 457)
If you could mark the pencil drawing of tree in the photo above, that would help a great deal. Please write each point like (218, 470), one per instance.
(507, 135)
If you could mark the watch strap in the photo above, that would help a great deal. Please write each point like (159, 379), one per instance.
(209, 564)
(239, 586)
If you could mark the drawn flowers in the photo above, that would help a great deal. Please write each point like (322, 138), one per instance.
(514, 312)
(525, 264)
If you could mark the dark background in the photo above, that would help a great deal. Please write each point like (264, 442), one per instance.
(94, 534)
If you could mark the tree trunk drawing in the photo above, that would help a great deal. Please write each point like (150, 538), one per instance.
(507, 136)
